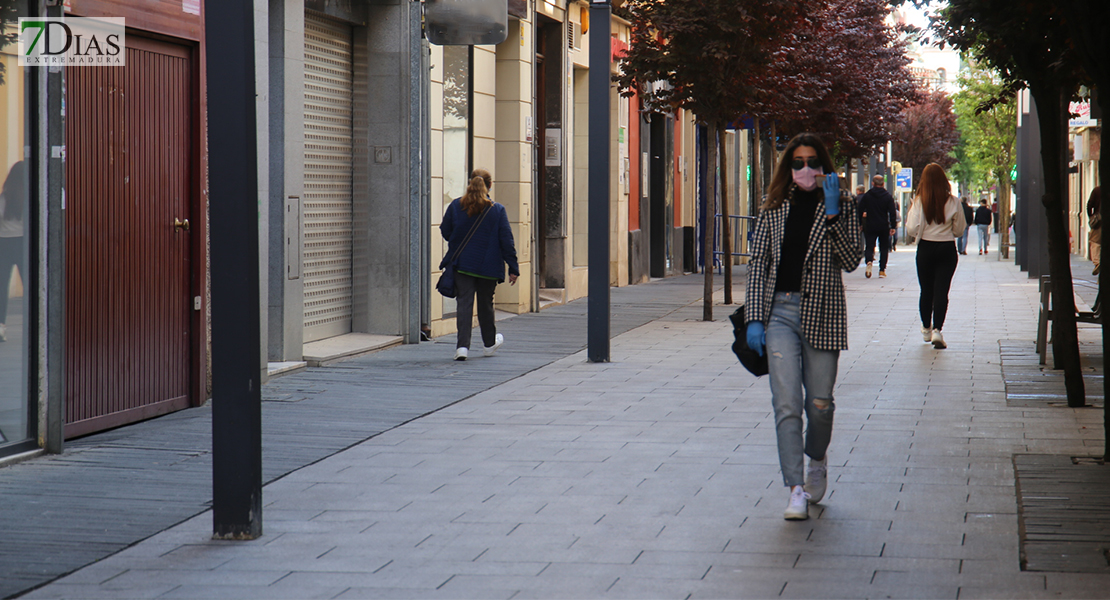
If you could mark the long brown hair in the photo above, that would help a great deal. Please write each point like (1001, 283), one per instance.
(933, 191)
(476, 197)
(783, 177)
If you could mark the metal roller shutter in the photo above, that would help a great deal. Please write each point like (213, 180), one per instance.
(328, 173)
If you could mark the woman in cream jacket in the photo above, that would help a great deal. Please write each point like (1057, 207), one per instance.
(936, 220)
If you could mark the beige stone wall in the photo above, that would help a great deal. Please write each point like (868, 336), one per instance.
(502, 113)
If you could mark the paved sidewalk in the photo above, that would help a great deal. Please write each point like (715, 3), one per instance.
(656, 476)
(110, 490)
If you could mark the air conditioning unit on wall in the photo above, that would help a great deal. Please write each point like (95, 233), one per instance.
(574, 35)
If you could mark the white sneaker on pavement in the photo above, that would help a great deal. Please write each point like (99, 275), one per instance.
(798, 509)
(497, 341)
(867, 273)
(817, 479)
(938, 340)
(927, 334)
(460, 353)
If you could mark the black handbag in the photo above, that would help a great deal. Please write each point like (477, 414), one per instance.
(752, 361)
(446, 283)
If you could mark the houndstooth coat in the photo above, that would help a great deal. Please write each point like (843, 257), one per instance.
(833, 247)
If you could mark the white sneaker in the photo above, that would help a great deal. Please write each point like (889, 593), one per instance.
(460, 353)
(817, 479)
(927, 334)
(798, 509)
(867, 273)
(497, 341)
(938, 340)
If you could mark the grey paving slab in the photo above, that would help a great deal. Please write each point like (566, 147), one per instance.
(652, 476)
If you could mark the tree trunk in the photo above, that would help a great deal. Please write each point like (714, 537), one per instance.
(710, 216)
(1051, 114)
(1093, 47)
(1104, 167)
(774, 147)
(1004, 216)
(726, 223)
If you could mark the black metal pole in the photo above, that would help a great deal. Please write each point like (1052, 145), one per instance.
(233, 210)
(598, 307)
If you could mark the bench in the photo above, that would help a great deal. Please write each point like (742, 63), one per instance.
(1094, 316)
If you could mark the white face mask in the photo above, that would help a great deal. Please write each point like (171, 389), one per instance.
(807, 178)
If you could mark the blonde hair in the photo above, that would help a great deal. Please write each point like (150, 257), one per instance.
(476, 197)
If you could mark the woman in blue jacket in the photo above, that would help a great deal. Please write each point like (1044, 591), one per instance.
(481, 264)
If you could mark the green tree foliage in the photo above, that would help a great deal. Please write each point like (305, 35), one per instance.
(987, 118)
(9, 17)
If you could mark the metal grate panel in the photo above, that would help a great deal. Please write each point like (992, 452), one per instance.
(328, 177)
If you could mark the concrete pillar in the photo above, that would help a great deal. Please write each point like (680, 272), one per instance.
(283, 155)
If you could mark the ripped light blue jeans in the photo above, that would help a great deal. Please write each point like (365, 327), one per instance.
(800, 375)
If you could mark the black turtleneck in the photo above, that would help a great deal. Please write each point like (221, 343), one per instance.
(795, 239)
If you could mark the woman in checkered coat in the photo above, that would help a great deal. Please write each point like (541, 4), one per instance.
(807, 234)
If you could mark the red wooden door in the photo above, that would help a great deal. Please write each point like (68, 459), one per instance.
(129, 155)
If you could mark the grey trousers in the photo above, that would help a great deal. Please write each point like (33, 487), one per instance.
(467, 288)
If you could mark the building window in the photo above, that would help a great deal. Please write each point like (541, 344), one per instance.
(16, 417)
(457, 91)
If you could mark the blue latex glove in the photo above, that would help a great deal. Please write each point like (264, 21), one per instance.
(832, 194)
(757, 337)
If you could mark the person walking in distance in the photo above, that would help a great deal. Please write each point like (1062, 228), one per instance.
(969, 216)
(481, 264)
(937, 220)
(12, 197)
(880, 222)
(983, 224)
(806, 234)
(1094, 219)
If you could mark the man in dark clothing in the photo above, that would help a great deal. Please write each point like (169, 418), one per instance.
(880, 218)
(983, 217)
(969, 216)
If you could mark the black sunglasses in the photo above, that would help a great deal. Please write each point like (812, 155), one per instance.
(800, 163)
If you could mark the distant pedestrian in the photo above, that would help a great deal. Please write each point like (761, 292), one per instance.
(481, 264)
(1094, 219)
(806, 234)
(983, 224)
(880, 222)
(937, 220)
(969, 216)
(12, 197)
(897, 221)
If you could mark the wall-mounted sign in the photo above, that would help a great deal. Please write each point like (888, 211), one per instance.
(466, 22)
(904, 179)
(553, 147)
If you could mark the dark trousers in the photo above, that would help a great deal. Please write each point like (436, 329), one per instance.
(936, 263)
(11, 255)
(884, 246)
(467, 288)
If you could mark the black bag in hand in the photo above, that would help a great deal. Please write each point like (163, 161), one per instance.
(752, 361)
(446, 283)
